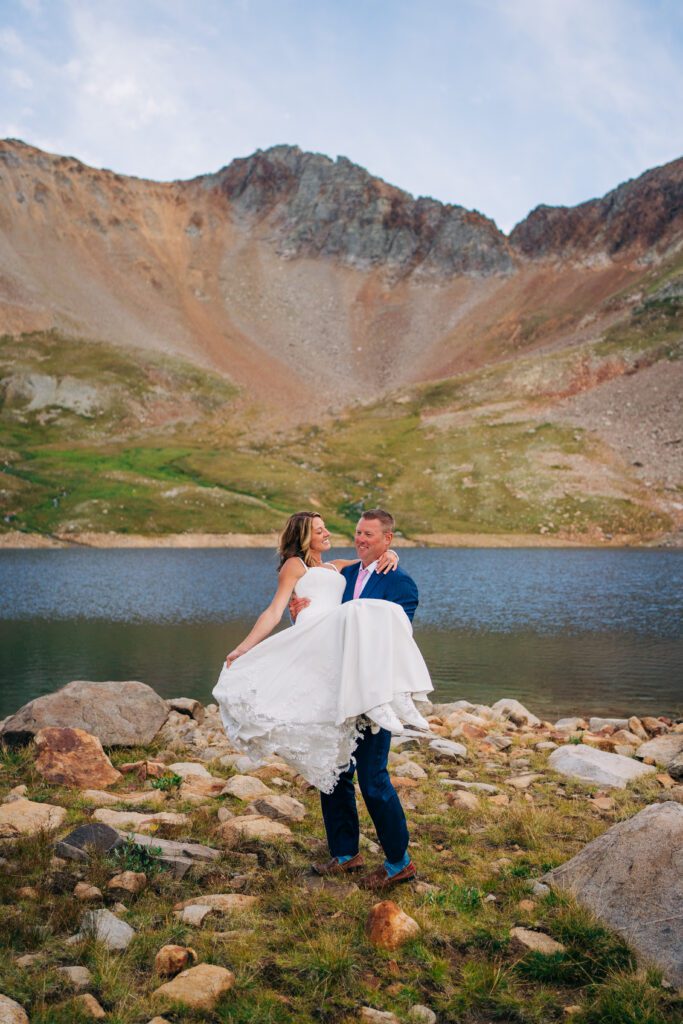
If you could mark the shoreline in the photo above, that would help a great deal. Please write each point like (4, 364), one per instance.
(16, 539)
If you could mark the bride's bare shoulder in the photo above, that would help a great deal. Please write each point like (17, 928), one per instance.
(293, 567)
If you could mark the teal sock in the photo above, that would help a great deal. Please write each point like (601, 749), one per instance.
(346, 856)
(399, 865)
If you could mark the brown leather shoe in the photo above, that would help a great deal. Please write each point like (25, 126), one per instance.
(379, 879)
(333, 867)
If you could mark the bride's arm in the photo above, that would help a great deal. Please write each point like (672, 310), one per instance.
(290, 573)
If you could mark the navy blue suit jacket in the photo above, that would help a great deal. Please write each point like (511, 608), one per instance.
(395, 586)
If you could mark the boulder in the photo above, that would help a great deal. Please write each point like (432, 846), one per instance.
(187, 706)
(539, 942)
(253, 826)
(522, 781)
(596, 724)
(79, 977)
(389, 927)
(222, 902)
(279, 808)
(193, 915)
(189, 769)
(24, 817)
(72, 757)
(98, 837)
(131, 882)
(87, 893)
(368, 1015)
(107, 928)
(11, 1012)
(198, 987)
(171, 959)
(448, 750)
(120, 714)
(675, 768)
(463, 800)
(631, 877)
(588, 764)
(88, 1004)
(128, 820)
(662, 749)
(245, 787)
(570, 724)
(510, 708)
(421, 1014)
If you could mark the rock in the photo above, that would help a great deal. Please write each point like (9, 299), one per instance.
(128, 881)
(72, 757)
(389, 927)
(539, 888)
(622, 737)
(120, 714)
(79, 977)
(107, 928)
(171, 959)
(499, 742)
(500, 800)
(411, 770)
(570, 724)
(198, 789)
(190, 769)
(15, 792)
(193, 915)
(279, 808)
(603, 803)
(636, 727)
(653, 726)
(29, 959)
(527, 906)
(539, 942)
(87, 893)
(663, 749)
(522, 781)
(245, 787)
(545, 745)
(631, 877)
(596, 724)
(11, 1012)
(28, 892)
(187, 706)
(464, 800)
(586, 764)
(253, 826)
(24, 817)
(448, 750)
(476, 787)
(159, 1020)
(143, 820)
(368, 1015)
(178, 855)
(510, 708)
(223, 902)
(100, 838)
(198, 987)
(88, 1004)
(144, 769)
(419, 1014)
(144, 796)
(675, 768)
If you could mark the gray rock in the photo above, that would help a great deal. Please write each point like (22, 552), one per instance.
(675, 768)
(477, 787)
(539, 888)
(177, 855)
(569, 724)
(587, 764)
(596, 724)
(279, 808)
(539, 942)
(107, 928)
(516, 712)
(662, 749)
(101, 838)
(187, 706)
(79, 977)
(120, 714)
(444, 710)
(631, 877)
(449, 750)
(368, 1015)
(419, 1014)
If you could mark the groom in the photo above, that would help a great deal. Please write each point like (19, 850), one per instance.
(374, 534)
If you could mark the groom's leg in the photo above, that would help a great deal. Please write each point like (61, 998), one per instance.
(379, 794)
(340, 815)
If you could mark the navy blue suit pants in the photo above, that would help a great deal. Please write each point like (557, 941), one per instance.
(340, 813)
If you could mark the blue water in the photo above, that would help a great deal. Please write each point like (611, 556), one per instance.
(564, 630)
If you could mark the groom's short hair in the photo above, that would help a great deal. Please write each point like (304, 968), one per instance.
(385, 518)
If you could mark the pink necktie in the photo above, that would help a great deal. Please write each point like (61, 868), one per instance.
(362, 576)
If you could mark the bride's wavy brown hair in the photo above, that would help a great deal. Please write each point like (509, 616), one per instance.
(295, 539)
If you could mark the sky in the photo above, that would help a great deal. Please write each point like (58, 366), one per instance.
(495, 105)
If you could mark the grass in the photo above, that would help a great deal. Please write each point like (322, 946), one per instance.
(451, 464)
(301, 955)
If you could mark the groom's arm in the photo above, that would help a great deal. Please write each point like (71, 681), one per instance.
(404, 592)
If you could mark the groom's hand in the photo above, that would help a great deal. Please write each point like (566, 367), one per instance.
(296, 605)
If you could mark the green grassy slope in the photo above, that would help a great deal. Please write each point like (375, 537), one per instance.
(125, 441)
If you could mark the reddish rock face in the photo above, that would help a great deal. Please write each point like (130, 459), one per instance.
(72, 757)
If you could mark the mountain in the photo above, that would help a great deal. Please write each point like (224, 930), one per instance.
(290, 293)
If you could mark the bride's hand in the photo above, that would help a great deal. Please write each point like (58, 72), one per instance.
(233, 656)
(387, 562)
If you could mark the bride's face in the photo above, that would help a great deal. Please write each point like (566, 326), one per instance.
(320, 537)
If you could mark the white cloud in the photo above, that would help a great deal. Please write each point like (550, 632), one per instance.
(18, 77)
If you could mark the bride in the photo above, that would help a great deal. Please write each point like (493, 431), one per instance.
(307, 693)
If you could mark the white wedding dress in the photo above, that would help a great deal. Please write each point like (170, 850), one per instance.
(299, 694)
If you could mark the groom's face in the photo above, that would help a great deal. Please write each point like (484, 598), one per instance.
(371, 540)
